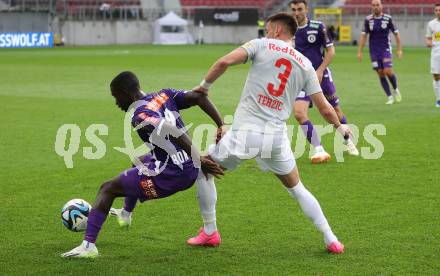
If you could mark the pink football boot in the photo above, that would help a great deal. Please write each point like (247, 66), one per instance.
(336, 247)
(203, 239)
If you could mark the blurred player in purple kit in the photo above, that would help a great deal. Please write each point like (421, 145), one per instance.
(311, 39)
(168, 167)
(378, 25)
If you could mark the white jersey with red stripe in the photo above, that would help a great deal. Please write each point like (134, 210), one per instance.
(277, 74)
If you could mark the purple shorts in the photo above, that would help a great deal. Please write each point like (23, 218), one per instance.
(328, 88)
(381, 61)
(170, 181)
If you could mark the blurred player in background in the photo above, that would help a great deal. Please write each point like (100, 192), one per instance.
(169, 165)
(278, 73)
(433, 42)
(310, 40)
(377, 26)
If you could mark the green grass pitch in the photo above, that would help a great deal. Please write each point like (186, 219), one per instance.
(386, 211)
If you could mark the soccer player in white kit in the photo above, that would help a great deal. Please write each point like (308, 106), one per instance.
(278, 73)
(433, 42)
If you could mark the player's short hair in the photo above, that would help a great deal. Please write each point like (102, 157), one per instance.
(437, 5)
(296, 2)
(125, 81)
(286, 19)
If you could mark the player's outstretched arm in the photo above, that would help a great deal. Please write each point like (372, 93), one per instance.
(237, 56)
(362, 41)
(428, 42)
(328, 113)
(398, 45)
(164, 129)
(329, 55)
(192, 98)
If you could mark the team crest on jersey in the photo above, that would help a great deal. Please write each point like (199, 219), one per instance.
(384, 24)
(311, 38)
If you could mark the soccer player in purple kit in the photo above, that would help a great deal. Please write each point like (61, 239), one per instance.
(311, 39)
(169, 167)
(378, 25)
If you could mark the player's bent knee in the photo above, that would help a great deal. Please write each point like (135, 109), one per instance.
(389, 72)
(113, 187)
(300, 116)
(105, 187)
(381, 73)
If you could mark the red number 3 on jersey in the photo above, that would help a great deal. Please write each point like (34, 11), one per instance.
(284, 76)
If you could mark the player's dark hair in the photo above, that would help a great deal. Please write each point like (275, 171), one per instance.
(286, 19)
(125, 81)
(296, 2)
(437, 5)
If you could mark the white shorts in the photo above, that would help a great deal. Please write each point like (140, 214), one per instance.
(271, 151)
(435, 64)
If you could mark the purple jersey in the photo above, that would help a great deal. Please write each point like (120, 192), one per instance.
(153, 110)
(379, 28)
(311, 40)
(173, 169)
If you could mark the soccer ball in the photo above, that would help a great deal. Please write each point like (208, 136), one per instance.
(74, 214)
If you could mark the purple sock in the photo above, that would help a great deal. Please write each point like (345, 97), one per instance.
(393, 81)
(130, 203)
(310, 133)
(94, 223)
(386, 86)
(344, 120)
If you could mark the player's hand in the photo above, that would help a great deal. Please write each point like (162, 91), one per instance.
(320, 74)
(399, 54)
(359, 56)
(200, 89)
(220, 132)
(345, 130)
(208, 166)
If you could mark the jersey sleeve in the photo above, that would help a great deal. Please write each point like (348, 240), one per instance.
(366, 27)
(252, 47)
(311, 85)
(179, 98)
(392, 27)
(429, 30)
(326, 39)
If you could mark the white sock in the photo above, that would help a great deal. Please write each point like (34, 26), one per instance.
(125, 213)
(436, 85)
(319, 149)
(312, 210)
(207, 195)
(88, 245)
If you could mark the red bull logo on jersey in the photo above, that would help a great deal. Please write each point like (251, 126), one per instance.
(287, 50)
